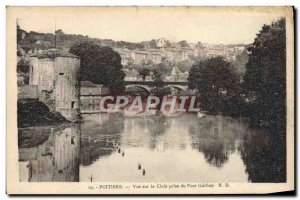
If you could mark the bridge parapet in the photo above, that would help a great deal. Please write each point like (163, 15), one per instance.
(151, 82)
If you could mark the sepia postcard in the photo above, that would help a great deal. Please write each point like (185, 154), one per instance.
(150, 100)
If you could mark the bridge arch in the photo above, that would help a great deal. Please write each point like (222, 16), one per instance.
(143, 88)
(177, 87)
(147, 85)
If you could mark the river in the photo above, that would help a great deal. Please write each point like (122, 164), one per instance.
(113, 148)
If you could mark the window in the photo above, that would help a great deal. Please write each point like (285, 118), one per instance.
(61, 73)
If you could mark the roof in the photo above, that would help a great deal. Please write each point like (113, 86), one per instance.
(140, 52)
(53, 53)
(89, 84)
(122, 50)
(131, 73)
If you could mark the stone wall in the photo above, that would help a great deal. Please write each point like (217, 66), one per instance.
(67, 86)
(28, 92)
(34, 71)
(58, 84)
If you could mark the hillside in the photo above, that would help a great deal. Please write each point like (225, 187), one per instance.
(35, 40)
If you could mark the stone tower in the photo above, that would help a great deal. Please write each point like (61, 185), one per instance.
(55, 74)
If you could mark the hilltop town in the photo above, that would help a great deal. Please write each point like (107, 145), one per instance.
(100, 110)
(178, 56)
(178, 52)
(151, 63)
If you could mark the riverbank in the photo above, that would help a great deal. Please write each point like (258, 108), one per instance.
(32, 113)
(33, 136)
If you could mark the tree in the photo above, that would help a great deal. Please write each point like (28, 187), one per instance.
(23, 71)
(175, 73)
(59, 32)
(240, 62)
(183, 43)
(217, 84)
(158, 80)
(185, 65)
(143, 71)
(266, 75)
(164, 67)
(168, 43)
(23, 66)
(101, 65)
(152, 44)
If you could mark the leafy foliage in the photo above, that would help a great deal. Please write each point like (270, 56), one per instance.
(143, 72)
(35, 113)
(217, 84)
(183, 43)
(101, 65)
(158, 83)
(23, 66)
(266, 75)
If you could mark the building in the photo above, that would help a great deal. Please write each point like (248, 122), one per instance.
(132, 75)
(87, 88)
(55, 72)
(188, 52)
(160, 43)
(127, 56)
(154, 56)
(177, 53)
(140, 57)
(229, 52)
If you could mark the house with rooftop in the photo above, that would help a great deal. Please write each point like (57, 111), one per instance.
(54, 75)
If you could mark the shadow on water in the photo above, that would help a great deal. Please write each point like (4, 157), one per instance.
(264, 154)
(262, 151)
(217, 137)
(56, 159)
(214, 148)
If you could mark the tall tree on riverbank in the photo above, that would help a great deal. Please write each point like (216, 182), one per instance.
(158, 81)
(217, 83)
(101, 65)
(266, 75)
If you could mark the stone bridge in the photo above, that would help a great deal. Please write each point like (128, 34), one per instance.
(147, 85)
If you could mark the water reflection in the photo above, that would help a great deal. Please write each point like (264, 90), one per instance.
(217, 137)
(111, 147)
(183, 148)
(100, 136)
(264, 154)
(56, 159)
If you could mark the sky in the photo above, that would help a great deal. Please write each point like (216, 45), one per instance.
(136, 24)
